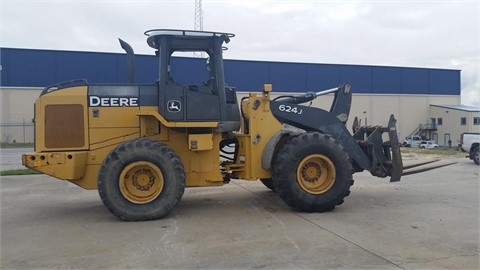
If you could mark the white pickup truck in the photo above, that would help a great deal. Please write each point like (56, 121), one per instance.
(471, 145)
(413, 141)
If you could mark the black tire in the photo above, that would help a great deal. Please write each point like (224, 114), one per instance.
(141, 179)
(312, 172)
(268, 183)
(476, 155)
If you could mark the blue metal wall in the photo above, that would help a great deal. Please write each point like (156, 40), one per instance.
(36, 68)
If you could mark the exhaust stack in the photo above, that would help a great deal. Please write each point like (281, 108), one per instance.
(130, 60)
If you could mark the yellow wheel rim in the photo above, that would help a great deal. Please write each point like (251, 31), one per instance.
(316, 174)
(141, 182)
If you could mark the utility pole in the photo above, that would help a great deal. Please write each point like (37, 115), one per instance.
(198, 23)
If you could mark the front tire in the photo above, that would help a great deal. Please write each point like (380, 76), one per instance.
(268, 183)
(140, 180)
(312, 173)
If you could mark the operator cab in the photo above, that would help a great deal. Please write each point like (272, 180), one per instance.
(207, 100)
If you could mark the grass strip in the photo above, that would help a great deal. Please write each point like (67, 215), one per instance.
(18, 172)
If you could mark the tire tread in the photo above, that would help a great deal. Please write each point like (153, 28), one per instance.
(284, 172)
(156, 152)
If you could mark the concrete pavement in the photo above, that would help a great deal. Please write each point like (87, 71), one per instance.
(427, 221)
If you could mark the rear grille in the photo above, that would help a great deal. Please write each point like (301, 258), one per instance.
(64, 126)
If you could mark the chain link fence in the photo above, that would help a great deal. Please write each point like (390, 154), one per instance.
(11, 158)
(16, 139)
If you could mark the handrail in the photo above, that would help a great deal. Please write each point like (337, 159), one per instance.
(58, 86)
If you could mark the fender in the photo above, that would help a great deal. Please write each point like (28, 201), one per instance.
(316, 119)
(270, 147)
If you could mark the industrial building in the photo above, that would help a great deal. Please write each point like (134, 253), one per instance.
(425, 101)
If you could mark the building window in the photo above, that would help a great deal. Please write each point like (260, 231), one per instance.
(463, 121)
(439, 121)
(476, 120)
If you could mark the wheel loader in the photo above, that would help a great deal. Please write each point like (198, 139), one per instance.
(141, 145)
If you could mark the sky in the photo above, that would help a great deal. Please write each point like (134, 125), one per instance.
(425, 33)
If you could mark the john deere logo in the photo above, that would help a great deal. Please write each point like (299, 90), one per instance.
(96, 101)
(174, 106)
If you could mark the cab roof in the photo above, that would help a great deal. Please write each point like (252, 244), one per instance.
(185, 40)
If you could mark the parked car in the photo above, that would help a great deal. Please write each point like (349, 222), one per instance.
(428, 145)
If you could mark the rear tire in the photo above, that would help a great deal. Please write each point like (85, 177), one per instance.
(312, 172)
(140, 180)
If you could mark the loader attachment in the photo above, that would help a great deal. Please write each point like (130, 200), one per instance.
(398, 169)
(366, 147)
(419, 168)
(386, 159)
(397, 164)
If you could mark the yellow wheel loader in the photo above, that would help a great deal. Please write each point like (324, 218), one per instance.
(140, 145)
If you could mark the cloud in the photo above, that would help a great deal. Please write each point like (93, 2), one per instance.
(433, 34)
